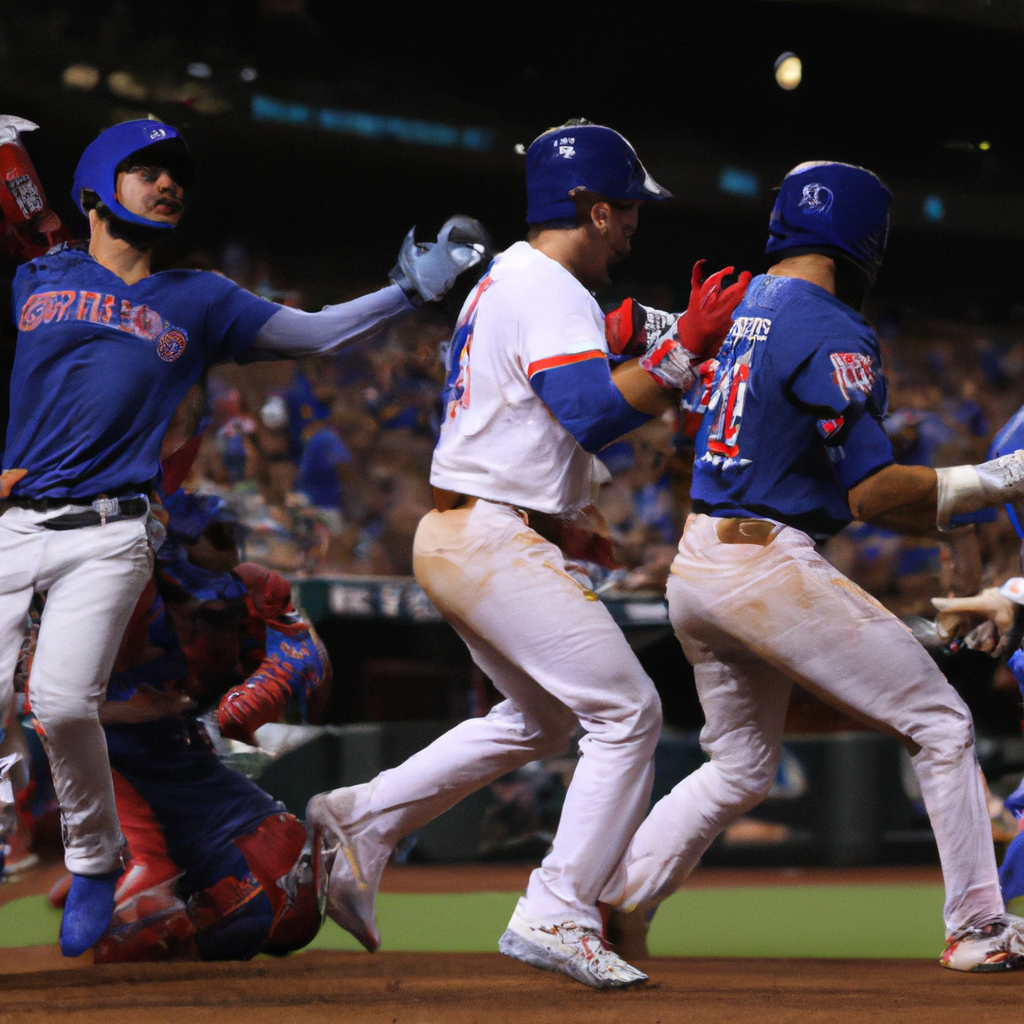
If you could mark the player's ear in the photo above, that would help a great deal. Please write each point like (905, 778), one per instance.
(600, 216)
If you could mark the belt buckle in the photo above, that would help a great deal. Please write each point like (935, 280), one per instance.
(106, 507)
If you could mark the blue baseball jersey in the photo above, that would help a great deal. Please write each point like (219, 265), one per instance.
(101, 366)
(791, 410)
(1009, 439)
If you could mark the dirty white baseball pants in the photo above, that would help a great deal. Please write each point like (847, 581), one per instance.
(752, 620)
(553, 650)
(93, 577)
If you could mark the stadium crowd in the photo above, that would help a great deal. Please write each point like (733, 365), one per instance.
(326, 460)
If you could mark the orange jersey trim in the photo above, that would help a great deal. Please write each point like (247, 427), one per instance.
(553, 361)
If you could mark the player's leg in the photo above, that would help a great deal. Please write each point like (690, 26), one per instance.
(361, 825)
(20, 553)
(150, 921)
(94, 577)
(516, 597)
(799, 613)
(556, 653)
(863, 659)
(744, 702)
(256, 893)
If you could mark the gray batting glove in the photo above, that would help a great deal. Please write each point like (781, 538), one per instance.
(969, 488)
(426, 270)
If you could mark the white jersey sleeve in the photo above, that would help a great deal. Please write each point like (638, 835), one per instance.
(498, 439)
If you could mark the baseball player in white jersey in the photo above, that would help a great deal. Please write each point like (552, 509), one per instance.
(530, 397)
(790, 449)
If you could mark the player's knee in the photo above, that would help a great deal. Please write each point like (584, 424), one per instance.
(555, 734)
(747, 780)
(58, 712)
(648, 715)
(948, 736)
(641, 721)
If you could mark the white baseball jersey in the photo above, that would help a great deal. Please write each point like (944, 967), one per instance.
(499, 440)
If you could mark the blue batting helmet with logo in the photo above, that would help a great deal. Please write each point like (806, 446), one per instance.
(583, 157)
(97, 168)
(831, 207)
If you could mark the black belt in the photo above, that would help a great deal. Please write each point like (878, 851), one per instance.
(103, 510)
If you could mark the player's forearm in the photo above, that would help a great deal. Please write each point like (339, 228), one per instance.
(900, 498)
(292, 333)
(923, 501)
(641, 390)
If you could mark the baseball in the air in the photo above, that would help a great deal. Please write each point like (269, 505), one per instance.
(788, 71)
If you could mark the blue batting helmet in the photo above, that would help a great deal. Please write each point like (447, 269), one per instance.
(578, 157)
(831, 207)
(96, 169)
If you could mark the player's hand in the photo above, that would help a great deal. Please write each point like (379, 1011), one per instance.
(243, 709)
(426, 270)
(960, 615)
(630, 327)
(146, 705)
(708, 315)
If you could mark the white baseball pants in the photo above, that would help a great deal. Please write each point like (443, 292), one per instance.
(93, 578)
(752, 620)
(557, 655)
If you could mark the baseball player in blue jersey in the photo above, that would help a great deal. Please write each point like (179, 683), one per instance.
(106, 351)
(790, 449)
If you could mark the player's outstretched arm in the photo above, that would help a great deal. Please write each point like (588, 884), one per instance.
(424, 273)
(917, 499)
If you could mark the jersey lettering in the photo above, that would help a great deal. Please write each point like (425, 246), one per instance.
(97, 308)
(724, 395)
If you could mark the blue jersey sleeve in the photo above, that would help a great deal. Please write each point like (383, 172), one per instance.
(839, 373)
(233, 319)
(866, 450)
(587, 403)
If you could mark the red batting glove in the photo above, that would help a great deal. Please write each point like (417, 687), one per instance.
(630, 328)
(245, 708)
(708, 316)
(624, 329)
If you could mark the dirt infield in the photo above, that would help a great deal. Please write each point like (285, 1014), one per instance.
(476, 988)
(37, 985)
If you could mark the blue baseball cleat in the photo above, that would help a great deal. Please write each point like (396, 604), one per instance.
(87, 912)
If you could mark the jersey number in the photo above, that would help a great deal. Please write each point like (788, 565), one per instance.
(726, 406)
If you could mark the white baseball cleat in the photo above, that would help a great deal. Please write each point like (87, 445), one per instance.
(352, 888)
(996, 947)
(567, 948)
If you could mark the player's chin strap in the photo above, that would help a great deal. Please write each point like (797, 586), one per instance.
(963, 489)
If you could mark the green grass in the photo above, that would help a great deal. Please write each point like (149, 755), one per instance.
(762, 921)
